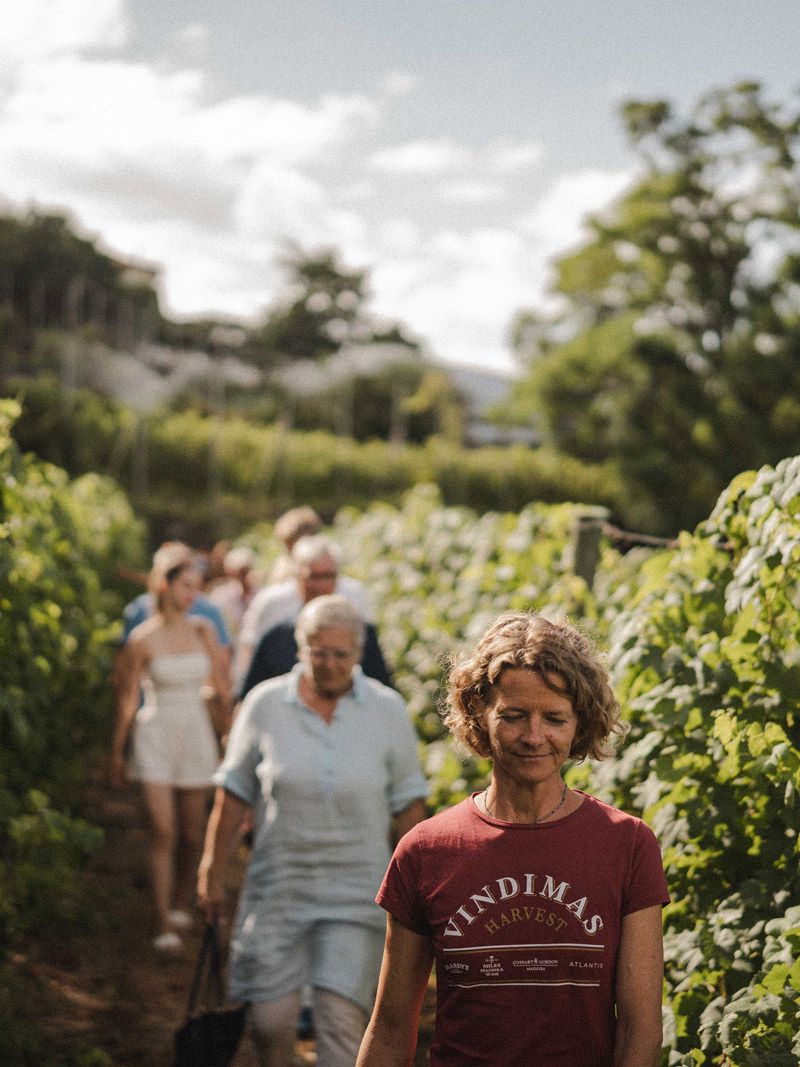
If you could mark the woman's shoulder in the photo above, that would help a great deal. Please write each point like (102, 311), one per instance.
(602, 810)
(377, 695)
(600, 816)
(447, 827)
(270, 696)
(141, 635)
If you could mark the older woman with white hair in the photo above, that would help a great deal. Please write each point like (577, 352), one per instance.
(328, 759)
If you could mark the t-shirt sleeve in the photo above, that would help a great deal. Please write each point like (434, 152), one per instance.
(647, 883)
(399, 893)
(237, 772)
(406, 782)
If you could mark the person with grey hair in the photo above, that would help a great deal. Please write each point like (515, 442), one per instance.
(327, 613)
(276, 652)
(327, 759)
(315, 562)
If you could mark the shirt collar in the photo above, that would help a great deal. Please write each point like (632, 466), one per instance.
(357, 693)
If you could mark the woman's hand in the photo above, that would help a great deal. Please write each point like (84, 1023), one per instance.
(210, 894)
(223, 825)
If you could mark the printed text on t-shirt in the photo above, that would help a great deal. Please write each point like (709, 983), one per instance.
(523, 886)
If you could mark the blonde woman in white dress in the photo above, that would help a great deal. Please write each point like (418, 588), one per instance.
(173, 747)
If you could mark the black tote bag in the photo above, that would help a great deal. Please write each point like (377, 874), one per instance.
(208, 1038)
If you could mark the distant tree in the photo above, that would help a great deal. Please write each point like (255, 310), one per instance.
(50, 277)
(407, 401)
(324, 307)
(676, 352)
(321, 310)
(436, 408)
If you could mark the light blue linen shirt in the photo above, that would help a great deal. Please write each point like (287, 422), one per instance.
(323, 794)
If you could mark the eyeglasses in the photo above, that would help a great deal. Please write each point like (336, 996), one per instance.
(339, 654)
(321, 576)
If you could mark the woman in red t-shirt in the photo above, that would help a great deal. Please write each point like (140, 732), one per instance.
(540, 905)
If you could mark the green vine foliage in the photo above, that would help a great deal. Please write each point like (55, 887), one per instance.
(706, 658)
(59, 542)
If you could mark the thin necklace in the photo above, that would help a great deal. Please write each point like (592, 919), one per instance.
(541, 819)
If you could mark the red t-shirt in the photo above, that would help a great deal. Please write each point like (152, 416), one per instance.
(525, 923)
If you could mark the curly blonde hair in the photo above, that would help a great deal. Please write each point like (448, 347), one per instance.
(548, 647)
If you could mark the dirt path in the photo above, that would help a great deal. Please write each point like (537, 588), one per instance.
(104, 988)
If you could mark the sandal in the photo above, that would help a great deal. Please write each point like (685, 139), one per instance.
(180, 920)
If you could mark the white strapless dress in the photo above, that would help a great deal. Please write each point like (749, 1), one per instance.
(173, 740)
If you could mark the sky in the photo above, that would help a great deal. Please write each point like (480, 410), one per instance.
(451, 147)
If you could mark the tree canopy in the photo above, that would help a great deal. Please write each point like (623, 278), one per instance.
(675, 352)
(50, 276)
(323, 308)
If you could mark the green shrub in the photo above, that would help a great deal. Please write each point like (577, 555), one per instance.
(215, 476)
(59, 545)
(707, 661)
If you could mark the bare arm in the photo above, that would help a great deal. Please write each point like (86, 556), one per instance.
(640, 975)
(241, 662)
(223, 826)
(220, 662)
(220, 678)
(404, 820)
(391, 1037)
(132, 662)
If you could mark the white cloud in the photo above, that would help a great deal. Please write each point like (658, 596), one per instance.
(291, 131)
(33, 30)
(211, 189)
(472, 192)
(421, 157)
(400, 236)
(274, 199)
(81, 110)
(505, 157)
(558, 220)
(87, 109)
(459, 290)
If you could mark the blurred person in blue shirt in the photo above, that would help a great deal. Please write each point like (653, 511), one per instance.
(143, 606)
